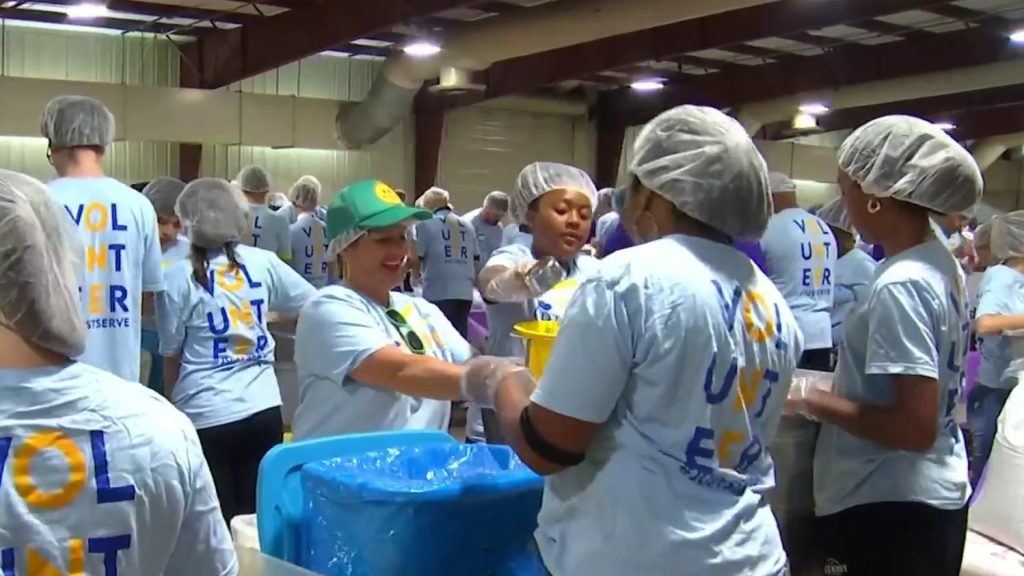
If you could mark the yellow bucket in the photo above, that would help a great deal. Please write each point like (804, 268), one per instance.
(539, 336)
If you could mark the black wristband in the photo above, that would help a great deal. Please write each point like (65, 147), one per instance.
(542, 447)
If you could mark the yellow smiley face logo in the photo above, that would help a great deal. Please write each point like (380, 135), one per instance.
(386, 194)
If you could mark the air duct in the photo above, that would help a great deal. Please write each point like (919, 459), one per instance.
(539, 29)
(988, 150)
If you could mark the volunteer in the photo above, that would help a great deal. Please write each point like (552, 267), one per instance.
(800, 254)
(277, 201)
(267, 230)
(854, 269)
(145, 501)
(116, 225)
(603, 205)
(1000, 299)
(607, 222)
(305, 183)
(163, 194)
(983, 246)
(666, 382)
(219, 354)
(890, 469)
(446, 258)
(486, 223)
(308, 234)
(370, 359)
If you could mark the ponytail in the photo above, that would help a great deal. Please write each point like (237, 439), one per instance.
(200, 258)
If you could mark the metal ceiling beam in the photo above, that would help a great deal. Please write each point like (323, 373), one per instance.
(841, 66)
(125, 25)
(989, 122)
(936, 108)
(232, 55)
(781, 18)
(156, 10)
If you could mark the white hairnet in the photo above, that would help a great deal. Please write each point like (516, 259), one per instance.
(163, 195)
(539, 178)
(913, 161)
(1008, 236)
(40, 259)
(305, 193)
(834, 214)
(705, 164)
(983, 234)
(779, 183)
(254, 180)
(434, 198)
(497, 202)
(276, 200)
(213, 211)
(70, 121)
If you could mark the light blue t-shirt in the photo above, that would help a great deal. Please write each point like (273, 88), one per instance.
(800, 252)
(488, 236)
(449, 257)
(513, 234)
(269, 231)
(605, 225)
(110, 465)
(1002, 292)
(686, 368)
(118, 229)
(288, 212)
(913, 322)
(321, 213)
(309, 249)
(220, 333)
(181, 249)
(338, 329)
(854, 272)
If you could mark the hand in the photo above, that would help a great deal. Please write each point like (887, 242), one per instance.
(806, 385)
(483, 376)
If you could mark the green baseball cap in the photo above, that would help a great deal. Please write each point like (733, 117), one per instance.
(368, 205)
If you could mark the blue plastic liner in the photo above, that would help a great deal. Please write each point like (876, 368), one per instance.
(444, 510)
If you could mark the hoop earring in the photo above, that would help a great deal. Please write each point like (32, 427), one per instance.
(874, 206)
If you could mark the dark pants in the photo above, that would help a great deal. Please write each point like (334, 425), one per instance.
(894, 539)
(457, 312)
(234, 452)
(819, 359)
(984, 405)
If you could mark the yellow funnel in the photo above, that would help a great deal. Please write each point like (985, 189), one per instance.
(540, 339)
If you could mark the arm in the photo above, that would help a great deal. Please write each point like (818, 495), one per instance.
(172, 370)
(284, 239)
(503, 278)
(573, 399)
(288, 290)
(901, 346)
(152, 259)
(998, 323)
(993, 316)
(392, 368)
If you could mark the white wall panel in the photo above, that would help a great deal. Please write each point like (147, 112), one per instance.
(35, 52)
(484, 149)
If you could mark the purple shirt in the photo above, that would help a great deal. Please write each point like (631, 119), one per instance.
(618, 239)
(753, 251)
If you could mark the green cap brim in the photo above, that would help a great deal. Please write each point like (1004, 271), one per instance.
(395, 215)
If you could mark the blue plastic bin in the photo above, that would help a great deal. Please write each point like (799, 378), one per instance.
(433, 510)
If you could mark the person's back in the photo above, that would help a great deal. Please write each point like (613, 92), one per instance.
(449, 258)
(101, 472)
(269, 231)
(118, 228)
(710, 350)
(800, 253)
(854, 272)
(488, 236)
(309, 249)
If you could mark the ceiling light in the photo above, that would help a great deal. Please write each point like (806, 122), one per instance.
(1017, 36)
(421, 49)
(648, 84)
(814, 109)
(804, 121)
(86, 10)
(947, 126)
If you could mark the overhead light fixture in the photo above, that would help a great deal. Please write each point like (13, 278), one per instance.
(947, 126)
(804, 121)
(648, 84)
(1017, 36)
(421, 49)
(86, 10)
(814, 109)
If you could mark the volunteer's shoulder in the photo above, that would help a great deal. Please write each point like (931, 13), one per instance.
(335, 297)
